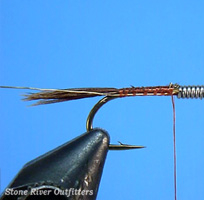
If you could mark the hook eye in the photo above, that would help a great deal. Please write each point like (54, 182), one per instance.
(89, 125)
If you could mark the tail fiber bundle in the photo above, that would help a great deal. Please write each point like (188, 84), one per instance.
(55, 96)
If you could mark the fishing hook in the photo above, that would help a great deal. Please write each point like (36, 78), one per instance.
(89, 125)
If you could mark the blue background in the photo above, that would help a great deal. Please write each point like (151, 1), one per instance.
(69, 44)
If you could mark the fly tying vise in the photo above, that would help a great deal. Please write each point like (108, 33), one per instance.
(48, 96)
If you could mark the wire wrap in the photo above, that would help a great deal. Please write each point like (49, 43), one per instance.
(191, 92)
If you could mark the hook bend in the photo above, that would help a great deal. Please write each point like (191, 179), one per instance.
(89, 125)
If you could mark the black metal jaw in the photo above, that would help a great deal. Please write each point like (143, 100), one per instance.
(71, 171)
